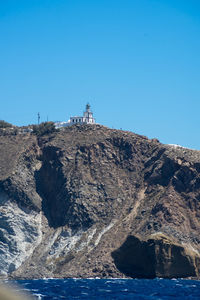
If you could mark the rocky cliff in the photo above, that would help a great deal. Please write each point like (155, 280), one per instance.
(89, 201)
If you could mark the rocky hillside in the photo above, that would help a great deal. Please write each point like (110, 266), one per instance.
(89, 201)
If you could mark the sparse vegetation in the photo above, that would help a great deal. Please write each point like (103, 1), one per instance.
(44, 128)
(4, 124)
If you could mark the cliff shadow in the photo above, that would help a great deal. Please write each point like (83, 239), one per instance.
(134, 259)
(50, 185)
(59, 199)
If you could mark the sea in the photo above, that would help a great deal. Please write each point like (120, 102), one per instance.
(137, 289)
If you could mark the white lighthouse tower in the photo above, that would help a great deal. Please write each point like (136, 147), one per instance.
(88, 115)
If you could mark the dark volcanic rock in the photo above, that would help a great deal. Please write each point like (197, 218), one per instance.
(83, 201)
(158, 256)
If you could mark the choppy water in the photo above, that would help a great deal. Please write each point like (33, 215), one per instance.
(112, 289)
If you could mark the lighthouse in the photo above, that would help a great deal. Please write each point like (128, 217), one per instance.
(87, 117)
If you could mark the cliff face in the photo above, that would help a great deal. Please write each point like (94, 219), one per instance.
(89, 201)
(157, 256)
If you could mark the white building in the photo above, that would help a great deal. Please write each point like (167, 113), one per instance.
(61, 124)
(87, 118)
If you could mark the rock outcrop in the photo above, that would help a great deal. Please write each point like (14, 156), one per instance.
(157, 256)
(89, 201)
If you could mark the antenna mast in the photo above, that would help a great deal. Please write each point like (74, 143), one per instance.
(38, 118)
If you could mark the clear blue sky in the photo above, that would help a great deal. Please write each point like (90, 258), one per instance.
(136, 61)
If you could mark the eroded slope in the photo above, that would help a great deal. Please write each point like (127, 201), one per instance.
(82, 192)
